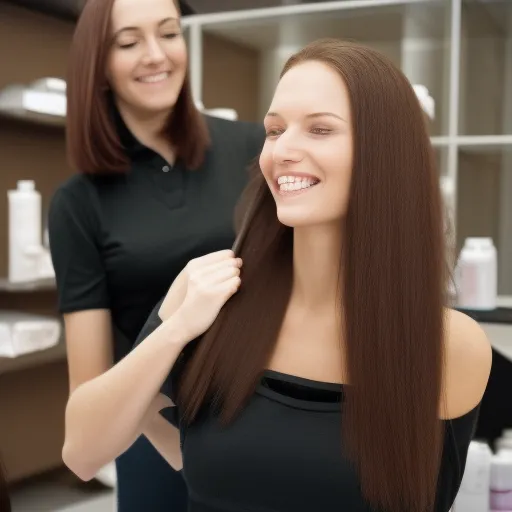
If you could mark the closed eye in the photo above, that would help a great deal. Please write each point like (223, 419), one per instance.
(321, 131)
(273, 133)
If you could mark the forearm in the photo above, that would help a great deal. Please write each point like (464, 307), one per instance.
(105, 415)
(166, 440)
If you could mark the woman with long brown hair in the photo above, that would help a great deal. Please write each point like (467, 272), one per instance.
(316, 366)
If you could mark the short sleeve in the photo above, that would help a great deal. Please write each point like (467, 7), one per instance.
(73, 231)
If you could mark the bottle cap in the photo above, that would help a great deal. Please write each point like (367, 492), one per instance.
(478, 242)
(26, 185)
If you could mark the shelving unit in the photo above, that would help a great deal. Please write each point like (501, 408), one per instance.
(460, 49)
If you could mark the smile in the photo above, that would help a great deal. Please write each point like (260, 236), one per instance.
(295, 184)
(152, 79)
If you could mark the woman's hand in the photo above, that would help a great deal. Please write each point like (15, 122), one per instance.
(201, 289)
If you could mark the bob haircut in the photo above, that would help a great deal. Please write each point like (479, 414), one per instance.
(93, 144)
(392, 284)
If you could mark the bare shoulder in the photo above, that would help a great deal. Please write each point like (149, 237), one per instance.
(468, 357)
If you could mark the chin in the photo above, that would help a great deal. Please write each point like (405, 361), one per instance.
(159, 105)
(295, 221)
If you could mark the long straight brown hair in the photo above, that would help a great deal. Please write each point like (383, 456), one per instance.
(392, 285)
(93, 143)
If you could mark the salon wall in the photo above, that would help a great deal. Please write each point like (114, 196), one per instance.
(32, 401)
(231, 77)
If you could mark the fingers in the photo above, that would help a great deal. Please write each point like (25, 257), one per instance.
(215, 267)
(217, 271)
(222, 274)
(229, 287)
(214, 257)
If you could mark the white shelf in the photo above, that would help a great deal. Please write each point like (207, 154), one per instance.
(23, 362)
(293, 24)
(284, 11)
(440, 141)
(28, 286)
(33, 118)
(484, 142)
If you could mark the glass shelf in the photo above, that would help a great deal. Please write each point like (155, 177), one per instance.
(485, 100)
(484, 188)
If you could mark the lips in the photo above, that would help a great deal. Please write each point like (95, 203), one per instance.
(154, 78)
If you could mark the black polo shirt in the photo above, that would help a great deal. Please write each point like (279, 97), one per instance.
(118, 241)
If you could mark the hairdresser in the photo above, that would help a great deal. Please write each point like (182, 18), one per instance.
(155, 186)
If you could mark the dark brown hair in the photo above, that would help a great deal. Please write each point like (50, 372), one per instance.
(392, 285)
(92, 139)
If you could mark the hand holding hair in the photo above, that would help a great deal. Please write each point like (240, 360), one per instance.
(200, 290)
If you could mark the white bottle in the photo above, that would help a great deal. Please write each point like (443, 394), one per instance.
(501, 482)
(24, 231)
(477, 275)
(473, 495)
(504, 443)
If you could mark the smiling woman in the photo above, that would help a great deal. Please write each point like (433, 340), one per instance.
(155, 186)
(318, 142)
(147, 64)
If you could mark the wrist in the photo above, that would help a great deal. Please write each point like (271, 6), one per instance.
(176, 329)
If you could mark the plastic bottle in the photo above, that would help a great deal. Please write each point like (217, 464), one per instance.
(473, 495)
(501, 482)
(24, 231)
(505, 441)
(476, 275)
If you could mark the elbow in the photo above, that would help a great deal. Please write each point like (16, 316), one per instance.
(77, 462)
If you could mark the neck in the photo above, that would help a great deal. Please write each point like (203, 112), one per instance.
(316, 266)
(148, 129)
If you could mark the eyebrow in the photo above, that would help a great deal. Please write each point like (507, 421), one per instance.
(163, 22)
(311, 116)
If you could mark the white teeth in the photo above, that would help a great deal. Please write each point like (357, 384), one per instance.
(154, 78)
(292, 183)
(294, 179)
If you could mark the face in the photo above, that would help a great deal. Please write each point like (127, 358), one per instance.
(148, 58)
(307, 156)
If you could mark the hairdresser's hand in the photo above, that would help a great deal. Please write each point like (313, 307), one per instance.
(209, 283)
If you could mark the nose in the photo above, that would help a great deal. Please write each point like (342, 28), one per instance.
(154, 53)
(286, 149)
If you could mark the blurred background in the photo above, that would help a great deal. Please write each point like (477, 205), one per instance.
(458, 53)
